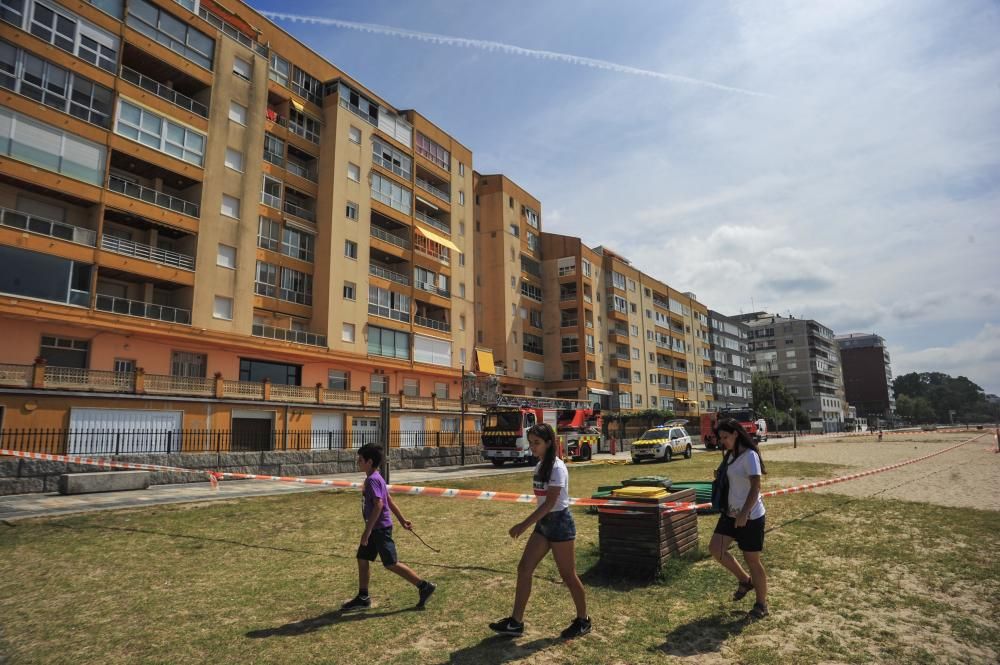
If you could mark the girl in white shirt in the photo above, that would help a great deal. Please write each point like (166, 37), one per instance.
(742, 519)
(554, 530)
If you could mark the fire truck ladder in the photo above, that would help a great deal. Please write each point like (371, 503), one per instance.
(524, 401)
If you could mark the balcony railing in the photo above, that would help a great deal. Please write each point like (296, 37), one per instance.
(389, 166)
(299, 211)
(382, 234)
(287, 335)
(302, 171)
(74, 378)
(402, 206)
(271, 200)
(163, 92)
(385, 273)
(141, 251)
(146, 310)
(307, 134)
(274, 158)
(444, 256)
(567, 295)
(18, 376)
(47, 227)
(569, 323)
(150, 195)
(431, 288)
(436, 191)
(387, 312)
(431, 323)
(234, 34)
(182, 385)
(433, 222)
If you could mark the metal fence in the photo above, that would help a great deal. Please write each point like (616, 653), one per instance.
(166, 441)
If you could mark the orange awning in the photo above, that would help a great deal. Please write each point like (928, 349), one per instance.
(484, 360)
(439, 239)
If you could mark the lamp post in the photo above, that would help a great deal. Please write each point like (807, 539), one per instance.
(795, 428)
(461, 420)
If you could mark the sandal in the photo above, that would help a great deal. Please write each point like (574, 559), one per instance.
(743, 589)
(758, 611)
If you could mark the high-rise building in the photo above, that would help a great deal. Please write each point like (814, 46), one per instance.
(730, 362)
(867, 375)
(803, 355)
(206, 219)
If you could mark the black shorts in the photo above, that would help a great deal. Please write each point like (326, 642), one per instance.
(749, 538)
(380, 543)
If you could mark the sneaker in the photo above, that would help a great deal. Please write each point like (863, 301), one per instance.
(357, 603)
(577, 628)
(508, 627)
(425, 590)
(757, 612)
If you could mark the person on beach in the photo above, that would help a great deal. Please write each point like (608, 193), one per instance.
(376, 540)
(554, 530)
(742, 516)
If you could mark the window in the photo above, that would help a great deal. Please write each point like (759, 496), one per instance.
(338, 379)
(533, 243)
(350, 249)
(382, 302)
(354, 172)
(170, 31)
(461, 289)
(123, 365)
(278, 373)
(532, 343)
(347, 333)
(270, 194)
(352, 211)
(388, 192)
(307, 86)
(266, 280)
(64, 352)
(631, 285)
(296, 286)
(433, 152)
(268, 233)
(388, 343)
(242, 68)
(441, 392)
(411, 387)
(237, 113)
(461, 321)
(461, 258)
(279, 69)
(234, 159)
(230, 206)
(160, 134)
(515, 230)
(461, 228)
(187, 364)
(350, 291)
(461, 169)
(379, 384)
(354, 134)
(297, 244)
(461, 198)
(635, 330)
(226, 256)
(223, 308)
(391, 159)
(305, 126)
(635, 353)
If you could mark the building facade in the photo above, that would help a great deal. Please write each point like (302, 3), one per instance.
(803, 355)
(206, 218)
(730, 362)
(867, 375)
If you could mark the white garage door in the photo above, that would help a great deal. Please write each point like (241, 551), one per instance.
(328, 430)
(120, 431)
(411, 431)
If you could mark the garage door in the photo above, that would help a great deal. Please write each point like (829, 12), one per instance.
(120, 431)
(328, 430)
(411, 431)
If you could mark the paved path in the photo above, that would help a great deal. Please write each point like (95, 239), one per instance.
(22, 506)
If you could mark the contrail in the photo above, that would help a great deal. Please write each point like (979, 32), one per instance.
(486, 45)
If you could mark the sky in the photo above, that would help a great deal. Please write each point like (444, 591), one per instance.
(838, 161)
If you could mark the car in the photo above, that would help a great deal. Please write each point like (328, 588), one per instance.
(581, 442)
(662, 443)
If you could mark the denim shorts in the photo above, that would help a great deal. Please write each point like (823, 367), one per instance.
(557, 526)
(380, 544)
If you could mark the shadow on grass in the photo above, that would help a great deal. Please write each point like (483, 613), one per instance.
(499, 649)
(703, 636)
(315, 623)
(622, 578)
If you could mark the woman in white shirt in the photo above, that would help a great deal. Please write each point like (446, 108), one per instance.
(554, 530)
(742, 517)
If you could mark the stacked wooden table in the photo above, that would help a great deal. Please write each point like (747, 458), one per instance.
(639, 540)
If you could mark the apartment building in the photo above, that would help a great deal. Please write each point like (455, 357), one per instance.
(730, 362)
(867, 373)
(803, 355)
(205, 222)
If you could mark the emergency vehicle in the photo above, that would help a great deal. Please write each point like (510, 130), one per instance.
(743, 415)
(506, 424)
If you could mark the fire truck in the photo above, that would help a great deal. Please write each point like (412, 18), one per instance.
(743, 415)
(506, 424)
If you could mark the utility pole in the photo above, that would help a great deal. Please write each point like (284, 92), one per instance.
(461, 421)
(795, 428)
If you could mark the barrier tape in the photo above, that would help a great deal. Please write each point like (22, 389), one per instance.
(213, 477)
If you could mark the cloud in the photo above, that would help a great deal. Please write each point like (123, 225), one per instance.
(977, 358)
(508, 49)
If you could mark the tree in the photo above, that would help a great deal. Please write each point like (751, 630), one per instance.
(772, 400)
(932, 396)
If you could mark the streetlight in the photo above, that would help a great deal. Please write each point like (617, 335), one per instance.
(795, 428)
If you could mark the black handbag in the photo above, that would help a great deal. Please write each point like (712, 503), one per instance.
(720, 489)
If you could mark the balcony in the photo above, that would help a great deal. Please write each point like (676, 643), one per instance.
(47, 227)
(163, 92)
(299, 205)
(431, 188)
(391, 238)
(432, 249)
(149, 195)
(145, 310)
(141, 251)
(286, 335)
(436, 223)
(300, 163)
(432, 323)
(388, 313)
(303, 131)
(567, 295)
(385, 273)
(431, 288)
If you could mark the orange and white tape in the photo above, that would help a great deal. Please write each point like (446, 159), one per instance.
(102, 463)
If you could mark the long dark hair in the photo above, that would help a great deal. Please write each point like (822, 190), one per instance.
(742, 439)
(545, 432)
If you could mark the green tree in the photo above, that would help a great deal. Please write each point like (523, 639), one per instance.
(932, 396)
(772, 400)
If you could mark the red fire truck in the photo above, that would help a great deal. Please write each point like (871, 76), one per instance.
(506, 423)
(743, 415)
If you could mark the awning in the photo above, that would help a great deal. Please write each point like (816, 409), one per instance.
(439, 239)
(598, 391)
(297, 106)
(484, 359)
(426, 202)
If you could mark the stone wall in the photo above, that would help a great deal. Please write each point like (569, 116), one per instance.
(21, 476)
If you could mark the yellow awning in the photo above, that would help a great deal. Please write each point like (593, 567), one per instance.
(297, 106)
(484, 358)
(439, 239)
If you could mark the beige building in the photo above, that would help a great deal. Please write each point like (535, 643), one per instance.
(188, 192)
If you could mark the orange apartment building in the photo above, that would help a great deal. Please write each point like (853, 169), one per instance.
(206, 225)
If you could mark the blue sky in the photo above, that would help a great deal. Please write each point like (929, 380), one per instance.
(832, 160)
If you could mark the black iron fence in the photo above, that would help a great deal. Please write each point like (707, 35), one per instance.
(166, 441)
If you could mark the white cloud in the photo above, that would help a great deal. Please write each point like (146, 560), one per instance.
(977, 358)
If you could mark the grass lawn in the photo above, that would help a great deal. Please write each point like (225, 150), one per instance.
(259, 581)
